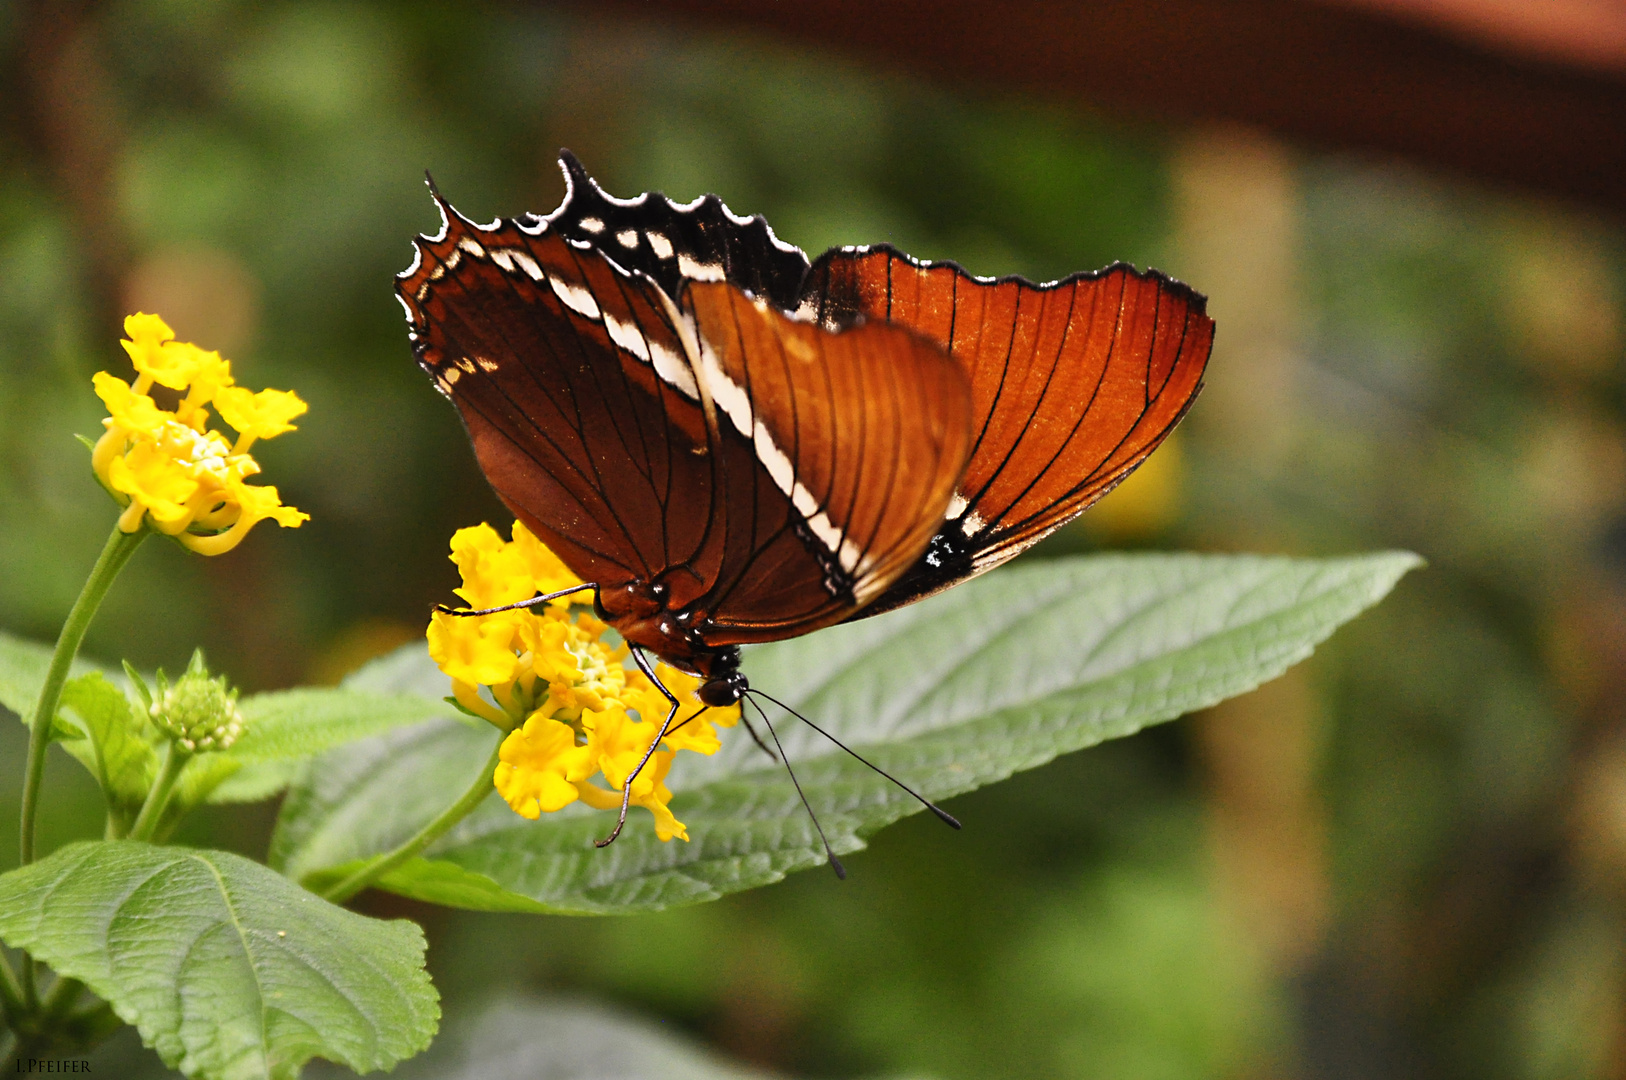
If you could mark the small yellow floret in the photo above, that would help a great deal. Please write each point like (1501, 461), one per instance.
(473, 650)
(135, 413)
(147, 475)
(210, 373)
(579, 670)
(258, 416)
(538, 763)
(546, 569)
(494, 572)
(153, 362)
(254, 504)
(618, 742)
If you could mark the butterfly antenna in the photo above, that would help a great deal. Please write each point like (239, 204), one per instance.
(943, 815)
(835, 863)
(532, 602)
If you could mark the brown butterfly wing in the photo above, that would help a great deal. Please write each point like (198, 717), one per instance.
(1073, 385)
(773, 475)
(568, 375)
(860, 436)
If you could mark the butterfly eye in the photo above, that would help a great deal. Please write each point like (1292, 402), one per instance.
(720, 693)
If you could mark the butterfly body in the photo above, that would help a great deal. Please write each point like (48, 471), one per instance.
(735, 445)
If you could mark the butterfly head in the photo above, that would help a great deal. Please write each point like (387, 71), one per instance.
(724, 688)
(724, 683)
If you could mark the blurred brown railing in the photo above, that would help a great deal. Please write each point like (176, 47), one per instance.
(1546, 114)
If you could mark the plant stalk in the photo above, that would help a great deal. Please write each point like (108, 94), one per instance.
(115, 553)
(152, 811)
(59, 1000)
(11, 991)
(380, 865)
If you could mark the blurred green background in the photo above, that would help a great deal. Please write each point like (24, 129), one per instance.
(1407, 858)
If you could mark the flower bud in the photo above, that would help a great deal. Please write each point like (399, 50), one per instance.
(199, 712)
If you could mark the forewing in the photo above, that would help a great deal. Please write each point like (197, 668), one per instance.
(1073, 385)
(576, 389)
(673, 243)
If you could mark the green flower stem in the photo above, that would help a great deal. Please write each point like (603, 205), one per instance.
(43, 1029)
(152, 811)
(380, 865)
(115, 553)
(59, 1001)
(11, 991)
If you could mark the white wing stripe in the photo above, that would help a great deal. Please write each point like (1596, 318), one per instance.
(731, 399)
(628, 336)
(575, 297)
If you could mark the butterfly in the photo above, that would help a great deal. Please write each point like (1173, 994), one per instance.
(730, 444)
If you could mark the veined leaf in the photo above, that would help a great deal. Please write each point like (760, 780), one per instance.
(561, 1039)
(437, 881)
(328, 818)
(999, 675)
(288, 725)
(23, 665)
(112, 745)
(253, 782)
(285, 727)
(228, 970)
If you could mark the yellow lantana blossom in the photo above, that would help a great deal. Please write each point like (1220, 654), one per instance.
(168, 469)
(573, 708)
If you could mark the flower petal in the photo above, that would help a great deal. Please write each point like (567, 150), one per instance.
(154, 480)
(135, 413)
(473, 650)
(258, 416)
(547, 571)
(535, 761)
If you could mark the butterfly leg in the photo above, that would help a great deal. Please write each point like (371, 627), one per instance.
(773, 757)
(532, 602)
(626, 789)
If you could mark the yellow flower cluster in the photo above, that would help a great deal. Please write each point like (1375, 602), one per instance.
(167, 468)
(572, 707)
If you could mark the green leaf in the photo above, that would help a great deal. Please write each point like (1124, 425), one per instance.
(288, 725)
(374, 794)
(199, 781)
(438, 882)
(23, 665)
(560, 1039)
(997, 676)
(228, 970)
(402, 671)
(112, 746)
(255, 781)
(283, 728)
